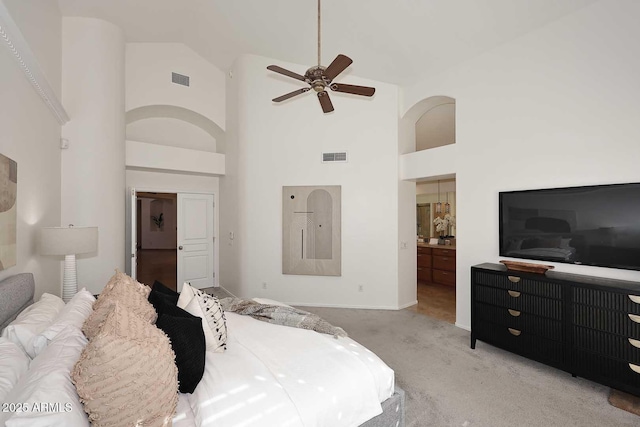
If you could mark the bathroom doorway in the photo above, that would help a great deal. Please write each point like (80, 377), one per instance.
(436, 262)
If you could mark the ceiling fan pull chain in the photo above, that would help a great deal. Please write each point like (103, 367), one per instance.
(319, 60)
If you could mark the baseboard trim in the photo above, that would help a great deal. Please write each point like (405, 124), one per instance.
(465, 327)
(360, 307)
(409, 304)
(227, 291)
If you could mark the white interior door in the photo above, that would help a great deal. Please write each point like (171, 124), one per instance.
(131, 261)
(195, 240)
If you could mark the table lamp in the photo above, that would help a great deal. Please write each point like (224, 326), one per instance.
(68, 241)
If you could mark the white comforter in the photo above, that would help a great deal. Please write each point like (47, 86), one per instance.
(275, 375)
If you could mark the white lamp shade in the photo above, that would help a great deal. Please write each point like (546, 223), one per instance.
(68, 240)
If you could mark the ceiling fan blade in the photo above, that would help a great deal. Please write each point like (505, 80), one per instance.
(291, 94)
(337, 66)
(325, 102)
(355, 90)
(287, 73)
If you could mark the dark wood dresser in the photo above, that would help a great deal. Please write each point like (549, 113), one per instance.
(587, 326)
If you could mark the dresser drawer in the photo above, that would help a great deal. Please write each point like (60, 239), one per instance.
(516, 282)
(617, 373)
(615, 322)
(536, 325)
(424, 260)
(444, 263)
(520, 301)
(519, 342)
(444, 252)
(610, 345)
(444, 277)
(627, 302)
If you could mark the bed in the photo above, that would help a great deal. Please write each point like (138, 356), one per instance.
(270, 375)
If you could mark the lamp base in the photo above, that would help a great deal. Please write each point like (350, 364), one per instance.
(70, 281)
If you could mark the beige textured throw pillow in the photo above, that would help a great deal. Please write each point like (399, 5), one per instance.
(131, 295)
(206, 306)
(126, 376)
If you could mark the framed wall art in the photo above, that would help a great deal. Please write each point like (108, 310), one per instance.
(311, 230)
(8, 208)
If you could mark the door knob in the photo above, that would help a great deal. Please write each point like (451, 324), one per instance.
(180, 247)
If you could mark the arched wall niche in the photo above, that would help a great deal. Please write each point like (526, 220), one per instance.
(434, 119)
(182, 114)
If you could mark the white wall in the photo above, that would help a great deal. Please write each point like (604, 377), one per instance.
(171, 132)
(168, 158)
(557, 107)
(40, 23)
(281, 145)
(407, 255)
(30, 135)
(171, 182)
(439, 162)
(230, 215)
(437, 126)
(148, 70)
(93, 177)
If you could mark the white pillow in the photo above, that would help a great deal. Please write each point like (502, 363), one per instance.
(45, 396)
(207, 307)
(32, 321)
(74, 313)
(14, 362)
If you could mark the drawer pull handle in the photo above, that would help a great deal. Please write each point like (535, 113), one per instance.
(634, 343)
(634, 317)
(516, 294)
(514, 313)
(634, 368)
(514, 279)
(635, 298)
(516, 333)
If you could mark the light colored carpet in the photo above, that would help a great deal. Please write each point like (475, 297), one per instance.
(448, 384)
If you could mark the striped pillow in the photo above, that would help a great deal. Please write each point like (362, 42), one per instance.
(207, 307)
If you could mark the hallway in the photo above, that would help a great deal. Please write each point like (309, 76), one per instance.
(158, 264)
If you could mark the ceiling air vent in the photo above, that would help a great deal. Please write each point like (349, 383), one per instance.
(334, 157)
(180, 79)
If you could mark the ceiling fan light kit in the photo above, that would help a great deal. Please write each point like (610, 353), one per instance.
(319, 78)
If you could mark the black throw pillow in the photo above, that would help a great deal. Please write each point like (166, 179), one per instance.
(160, 287)
(187, 340)
(163, 299)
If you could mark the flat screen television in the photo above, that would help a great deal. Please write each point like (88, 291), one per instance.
(596, 225)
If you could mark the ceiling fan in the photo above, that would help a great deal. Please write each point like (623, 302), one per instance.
(320, 78)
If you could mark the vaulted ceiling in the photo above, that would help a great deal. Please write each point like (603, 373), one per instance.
(395, 41)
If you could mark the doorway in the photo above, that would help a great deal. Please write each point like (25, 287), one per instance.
(436, 263)
(156, 231)
(171, 238)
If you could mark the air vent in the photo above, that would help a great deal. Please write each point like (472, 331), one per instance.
(180, 79)
(334, 157)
